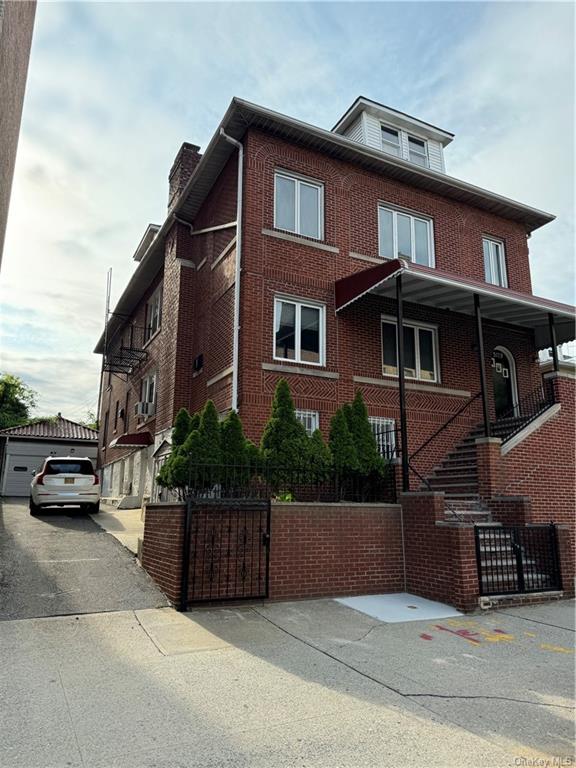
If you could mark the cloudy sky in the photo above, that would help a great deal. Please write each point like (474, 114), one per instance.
(114, 89)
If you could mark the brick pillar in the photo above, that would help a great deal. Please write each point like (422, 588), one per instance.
(465, 587)
(162, 546)
(489, 463)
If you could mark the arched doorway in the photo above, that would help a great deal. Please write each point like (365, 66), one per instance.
(504, 382)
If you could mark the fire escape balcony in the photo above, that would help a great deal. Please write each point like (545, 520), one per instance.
(124, 355)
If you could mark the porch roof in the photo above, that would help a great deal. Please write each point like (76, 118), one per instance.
(443, 290)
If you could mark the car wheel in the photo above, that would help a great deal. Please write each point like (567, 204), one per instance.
(34, 508)
(94, 508)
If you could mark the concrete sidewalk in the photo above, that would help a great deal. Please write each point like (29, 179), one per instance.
(313, 683)
(126, 525)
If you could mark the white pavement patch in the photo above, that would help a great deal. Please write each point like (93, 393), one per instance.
(399, 607)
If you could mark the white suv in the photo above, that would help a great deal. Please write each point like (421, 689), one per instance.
(65, 481)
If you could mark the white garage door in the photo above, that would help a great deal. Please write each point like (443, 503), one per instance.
(19, 474)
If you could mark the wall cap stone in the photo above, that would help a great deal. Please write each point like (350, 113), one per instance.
(530, 428)
(483, 440)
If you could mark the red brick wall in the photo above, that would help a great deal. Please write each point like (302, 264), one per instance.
(440, 556)
(334, 549)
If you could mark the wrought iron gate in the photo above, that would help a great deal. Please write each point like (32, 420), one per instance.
(515, 559)
(228, 550)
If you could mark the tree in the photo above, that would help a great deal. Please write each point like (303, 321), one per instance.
(182, 427)
(90, 420)
(16, 401)
(341, 442)
(284, 441)
(319, 459)
(369, 459)
(233, 441)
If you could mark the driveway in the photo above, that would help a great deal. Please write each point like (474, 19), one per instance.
(63, 563)
(313, 684)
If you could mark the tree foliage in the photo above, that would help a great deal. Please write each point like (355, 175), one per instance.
(16, 401)
(284, 441)
(341, 442)
(369, 459)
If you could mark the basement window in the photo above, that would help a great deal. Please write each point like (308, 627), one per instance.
(310, 420)
(384, 431)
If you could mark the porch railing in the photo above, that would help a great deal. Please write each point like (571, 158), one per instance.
(528, 408)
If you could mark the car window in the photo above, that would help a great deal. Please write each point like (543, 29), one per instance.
(70, 467)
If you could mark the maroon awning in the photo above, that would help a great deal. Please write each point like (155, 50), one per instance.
(443, 290)
(133, 440)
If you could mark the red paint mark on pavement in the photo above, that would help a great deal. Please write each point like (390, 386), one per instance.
(466, 634)
(500, 631)
(424, 636)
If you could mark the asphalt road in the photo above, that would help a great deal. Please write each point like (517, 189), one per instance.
(63, 563)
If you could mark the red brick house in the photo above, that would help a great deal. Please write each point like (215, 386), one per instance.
(290, 250)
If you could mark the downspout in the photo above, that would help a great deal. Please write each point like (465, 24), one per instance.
(236, 337)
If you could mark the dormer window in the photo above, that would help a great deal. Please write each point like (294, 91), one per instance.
(391, 141)
(417, 151)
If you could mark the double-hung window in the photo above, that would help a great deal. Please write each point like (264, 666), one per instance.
(420, 350)
(404, 235)
(299, 331)
(153, 314)
(417, 151)
(391, 141)
(494, 262)
(310, 420)
(384, 431)
(148, 389)
(298, 205)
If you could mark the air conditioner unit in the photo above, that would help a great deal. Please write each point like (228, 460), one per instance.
(144, 409)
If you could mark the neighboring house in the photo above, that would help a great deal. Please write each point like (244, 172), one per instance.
(306, 287)
(23, 450)
(16, 25)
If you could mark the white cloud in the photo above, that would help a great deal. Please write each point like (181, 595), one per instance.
(114, 89)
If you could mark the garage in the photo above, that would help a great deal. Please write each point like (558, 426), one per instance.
(23, 450)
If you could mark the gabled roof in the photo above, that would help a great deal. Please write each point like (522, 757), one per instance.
(242, 115)
(52, 429)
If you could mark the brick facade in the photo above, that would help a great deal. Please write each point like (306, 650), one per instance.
(532, 482)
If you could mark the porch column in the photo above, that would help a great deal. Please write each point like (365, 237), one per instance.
(482, 364)
(401, 387)
(553, 341)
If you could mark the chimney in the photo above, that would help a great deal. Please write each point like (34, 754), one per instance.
(183, 167)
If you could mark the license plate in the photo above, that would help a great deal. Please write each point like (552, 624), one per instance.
(68, 481)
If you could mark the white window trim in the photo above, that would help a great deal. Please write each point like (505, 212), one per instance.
(388, 425)
(404, 145)
(299, 179)
(149, 377)
(156, 298)
(395, 210)
(322, 336)
(390, 143)
(302, 415)
(493, 257)
(424, 154)
(435, 348)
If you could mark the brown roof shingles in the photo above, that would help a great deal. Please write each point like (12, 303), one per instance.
(52, 429)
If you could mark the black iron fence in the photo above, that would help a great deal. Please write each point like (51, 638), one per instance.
(516, 559)
(217, 482)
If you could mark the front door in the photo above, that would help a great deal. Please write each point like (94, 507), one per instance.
(502, 379)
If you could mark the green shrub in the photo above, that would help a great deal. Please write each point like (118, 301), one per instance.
(284, 442)
(341, 442)
(369, 459)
